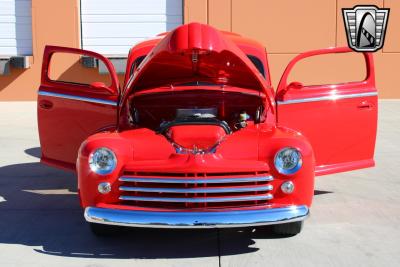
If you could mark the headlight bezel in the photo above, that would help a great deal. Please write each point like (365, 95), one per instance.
(101, 170)
(290, 171)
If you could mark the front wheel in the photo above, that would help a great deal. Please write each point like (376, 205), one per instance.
(287, 229)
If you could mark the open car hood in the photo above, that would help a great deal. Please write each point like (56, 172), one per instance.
(197, 53)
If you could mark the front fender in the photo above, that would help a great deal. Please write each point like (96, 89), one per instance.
(88, 180)
(271, 140)
(137, 144)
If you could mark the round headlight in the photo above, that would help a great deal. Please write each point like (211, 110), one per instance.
(102, 161)
(288, 160)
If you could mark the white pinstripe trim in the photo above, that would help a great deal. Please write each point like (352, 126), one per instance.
(326, 98)
(79, 98)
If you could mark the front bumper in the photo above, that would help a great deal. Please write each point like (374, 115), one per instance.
(212, 219)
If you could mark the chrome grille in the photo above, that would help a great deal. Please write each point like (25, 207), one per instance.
(195, 190)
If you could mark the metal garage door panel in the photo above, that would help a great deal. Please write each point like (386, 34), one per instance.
(112, 27)
(15, 27)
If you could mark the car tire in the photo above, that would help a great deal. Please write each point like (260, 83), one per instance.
(287, 229)
(101, 229)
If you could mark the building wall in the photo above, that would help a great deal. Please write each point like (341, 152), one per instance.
(53, 22)
(285, 27)
(288, 27)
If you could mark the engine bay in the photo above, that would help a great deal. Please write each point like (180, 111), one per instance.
(195, 121)
(229, 110)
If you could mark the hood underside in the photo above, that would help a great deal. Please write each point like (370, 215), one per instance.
(196, 53)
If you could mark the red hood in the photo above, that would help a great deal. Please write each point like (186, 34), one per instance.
(197, 52)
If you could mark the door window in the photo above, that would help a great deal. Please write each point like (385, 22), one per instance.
(69, 68)
(329, 69)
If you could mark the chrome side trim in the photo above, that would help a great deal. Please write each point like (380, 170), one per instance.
(324, 98)
(266, 178)
(193, 219)
(79, 98)
(198, 199)
(197, 190)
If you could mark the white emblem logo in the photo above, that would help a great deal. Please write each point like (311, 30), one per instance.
(365, 27)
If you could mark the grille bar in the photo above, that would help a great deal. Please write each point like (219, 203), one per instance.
(198, 190)
(198, 199)
(266, 178)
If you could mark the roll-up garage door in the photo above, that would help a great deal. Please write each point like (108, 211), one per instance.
(113, 27)
(15, 28)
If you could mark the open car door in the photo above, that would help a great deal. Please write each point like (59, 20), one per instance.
(73, 103)
(339, 120)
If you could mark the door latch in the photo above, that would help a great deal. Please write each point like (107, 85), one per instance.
(45, 104)
(365, 105)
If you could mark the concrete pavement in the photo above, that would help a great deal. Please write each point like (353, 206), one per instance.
(355, 216)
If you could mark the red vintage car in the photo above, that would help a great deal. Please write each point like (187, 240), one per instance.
(198, 138)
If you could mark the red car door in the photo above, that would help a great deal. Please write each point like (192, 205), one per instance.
(339, 120)
(69, 112)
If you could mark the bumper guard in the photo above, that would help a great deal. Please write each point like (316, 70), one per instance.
(211, 219)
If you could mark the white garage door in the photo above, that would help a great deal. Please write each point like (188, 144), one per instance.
(15, 27)
(111, 27)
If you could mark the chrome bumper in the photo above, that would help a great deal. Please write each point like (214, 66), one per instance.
(212, 219)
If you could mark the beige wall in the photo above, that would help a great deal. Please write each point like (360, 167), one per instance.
(285, 27)
(53, 23)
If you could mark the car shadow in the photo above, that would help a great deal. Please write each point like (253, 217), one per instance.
(321, 192)
(39, 207)
(34, 152)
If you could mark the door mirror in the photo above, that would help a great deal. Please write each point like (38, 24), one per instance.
(295, 85)
(101, 87)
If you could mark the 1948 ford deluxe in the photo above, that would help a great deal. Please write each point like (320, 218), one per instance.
(197, 137)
